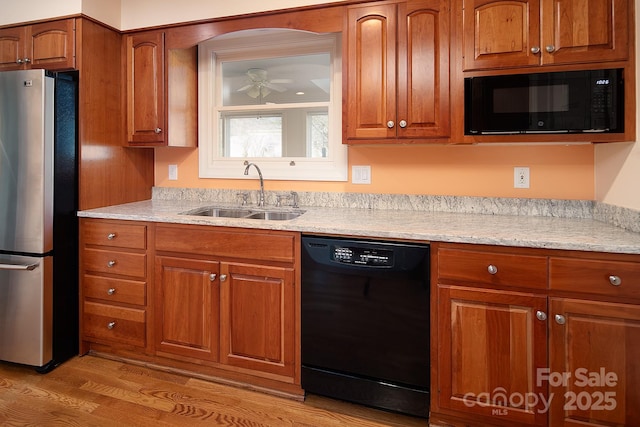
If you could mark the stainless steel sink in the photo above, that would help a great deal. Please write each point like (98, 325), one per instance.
(243, 213)
(219, 212)
(275, 216)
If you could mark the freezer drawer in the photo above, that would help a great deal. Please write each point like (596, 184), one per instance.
(26, 302)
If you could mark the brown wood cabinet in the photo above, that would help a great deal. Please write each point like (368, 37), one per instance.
(258, 317)
(521, 33)
(397, 67)
(113, 276)
(504, 358)
(49, 45)
(187, 301)
(145, 88)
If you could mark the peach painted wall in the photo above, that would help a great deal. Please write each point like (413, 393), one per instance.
(557, 171)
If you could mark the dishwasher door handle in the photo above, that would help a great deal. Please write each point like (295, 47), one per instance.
(24, 267)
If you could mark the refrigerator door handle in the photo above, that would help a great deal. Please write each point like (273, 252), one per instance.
(28, 267)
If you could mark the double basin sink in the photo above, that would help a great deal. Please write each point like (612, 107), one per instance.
(273, 215)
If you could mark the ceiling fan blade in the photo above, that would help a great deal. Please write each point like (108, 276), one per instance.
(281, 81)
(275, 87)
(246, 87)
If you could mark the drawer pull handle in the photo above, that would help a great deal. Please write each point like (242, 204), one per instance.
(111, 236)
(541, 315)
(492, 269)
(560, 319)
(111, 291)
(223, 277)
(212, 277)
(615, 280)
(111, 325)
(111, 263)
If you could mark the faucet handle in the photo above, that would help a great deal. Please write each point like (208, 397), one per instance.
(244, 198)
(294, 197)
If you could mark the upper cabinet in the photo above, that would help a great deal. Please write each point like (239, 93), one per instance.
(161, 92)
(49, 45)
(145, 88)
(523, 33)
(397, 71)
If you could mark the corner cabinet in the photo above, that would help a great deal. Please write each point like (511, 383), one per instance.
(534, 337)
(397, 71)
(49, 45)
(522, 33)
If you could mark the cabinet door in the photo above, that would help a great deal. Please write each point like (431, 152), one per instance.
(13, 48)
(585, 31)
(500, 33)
(145, 88)
(371, 75)
(594, 372)
(187, 308)
(258, 318)
(491, 344)
(423, 69)
(52, 45)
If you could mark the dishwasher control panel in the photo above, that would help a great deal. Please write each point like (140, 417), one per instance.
(362, 256)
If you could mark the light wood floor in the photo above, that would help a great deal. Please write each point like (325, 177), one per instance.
(92, 391)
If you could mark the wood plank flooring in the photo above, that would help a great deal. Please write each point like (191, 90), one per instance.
(93, 391)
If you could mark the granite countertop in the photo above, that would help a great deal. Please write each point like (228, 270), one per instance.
(532, 231)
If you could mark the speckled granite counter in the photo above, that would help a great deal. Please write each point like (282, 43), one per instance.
(574, 231)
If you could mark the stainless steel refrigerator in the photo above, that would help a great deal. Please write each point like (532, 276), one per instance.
(38, 218)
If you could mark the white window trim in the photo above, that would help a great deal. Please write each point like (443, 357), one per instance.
(334, 167)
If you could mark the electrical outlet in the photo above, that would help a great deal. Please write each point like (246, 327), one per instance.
(520, 177)
(173, 172)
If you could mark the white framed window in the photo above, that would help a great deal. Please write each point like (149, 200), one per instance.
(272, 97)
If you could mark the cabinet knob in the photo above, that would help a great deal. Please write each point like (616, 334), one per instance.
(223, 277)
(560, 319)
(111, 263)
(615, 280)
(111, 291)
(535, 49)
(550, 48)
(26, 60)
(157, 130)
(390, 124)
(541, 315)
(212, 277)
(403, 123)
(111, 325)
(492, 269)
(111, 236)
(18, 61)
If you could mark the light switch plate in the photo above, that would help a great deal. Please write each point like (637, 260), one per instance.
(361, 174)
(173, 172)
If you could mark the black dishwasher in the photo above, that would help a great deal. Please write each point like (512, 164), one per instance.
(365, 322)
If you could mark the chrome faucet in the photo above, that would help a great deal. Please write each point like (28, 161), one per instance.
(246, 172)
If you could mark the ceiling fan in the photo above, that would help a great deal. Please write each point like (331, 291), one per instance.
(258, 84)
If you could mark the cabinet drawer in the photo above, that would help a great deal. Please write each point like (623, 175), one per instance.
(132, 236)
(250, 245)
(114, 290)
(610, 278)
(113, 323)
(114, 262)
(489, 268)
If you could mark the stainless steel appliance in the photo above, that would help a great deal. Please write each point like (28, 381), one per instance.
(38, 225)
(365, 322)
(557, 102)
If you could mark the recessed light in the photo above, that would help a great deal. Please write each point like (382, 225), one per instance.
(300, 93)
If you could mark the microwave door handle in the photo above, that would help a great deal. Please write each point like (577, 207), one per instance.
(21, 267)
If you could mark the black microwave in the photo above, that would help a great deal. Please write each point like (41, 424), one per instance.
(558, 102)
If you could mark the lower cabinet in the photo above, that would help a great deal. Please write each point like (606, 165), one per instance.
(187, 304)
(594, 363)
(534, 337)
(491, 344)
(258, 317)
(219, 302)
